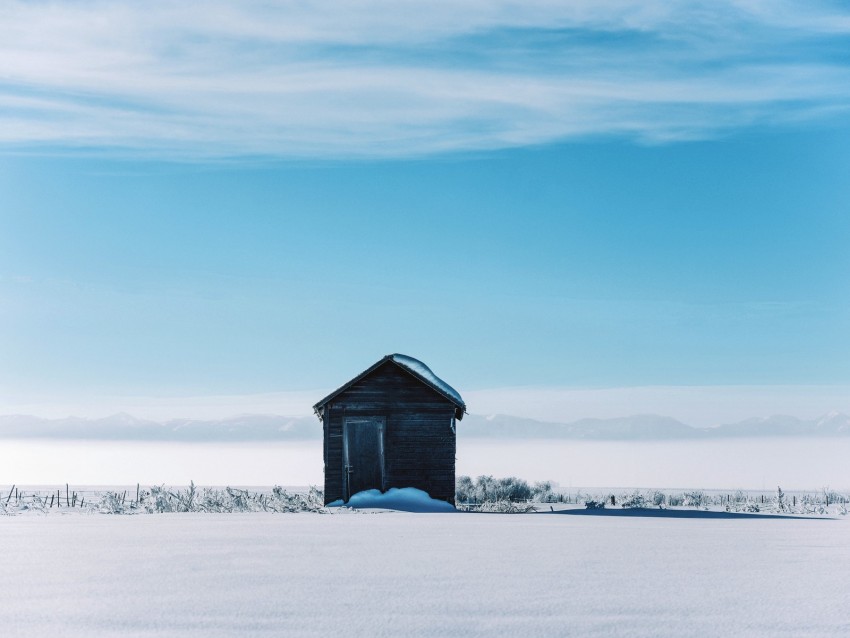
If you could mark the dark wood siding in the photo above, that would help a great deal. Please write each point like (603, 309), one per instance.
(419, 440)
(333, 455)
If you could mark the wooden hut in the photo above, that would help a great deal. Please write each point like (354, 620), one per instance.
(393, 425)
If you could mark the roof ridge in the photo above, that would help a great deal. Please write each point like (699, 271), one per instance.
(411, 365)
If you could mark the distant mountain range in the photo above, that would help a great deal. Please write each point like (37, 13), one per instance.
(268, 427)
(643, 427)
(122, 426)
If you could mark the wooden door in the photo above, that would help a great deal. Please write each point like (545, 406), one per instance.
(363, 456)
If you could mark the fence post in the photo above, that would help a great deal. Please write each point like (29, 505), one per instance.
(10, 494)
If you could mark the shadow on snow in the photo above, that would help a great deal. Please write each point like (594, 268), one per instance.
(668, 513)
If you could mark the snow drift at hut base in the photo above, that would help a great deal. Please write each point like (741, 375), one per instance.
(404, 499)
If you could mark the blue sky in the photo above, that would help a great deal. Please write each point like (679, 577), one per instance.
(269, 197)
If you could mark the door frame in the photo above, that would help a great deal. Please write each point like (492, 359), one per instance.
(382, 428)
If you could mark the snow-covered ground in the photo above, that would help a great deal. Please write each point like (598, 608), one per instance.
(393, 574)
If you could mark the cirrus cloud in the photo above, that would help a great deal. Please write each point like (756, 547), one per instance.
(375, 78)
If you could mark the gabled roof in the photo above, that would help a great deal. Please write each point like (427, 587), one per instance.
(413, 367)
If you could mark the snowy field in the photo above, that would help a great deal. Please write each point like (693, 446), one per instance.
(393, 574)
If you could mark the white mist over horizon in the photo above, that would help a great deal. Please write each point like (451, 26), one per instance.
(698, 406)
(794, 463)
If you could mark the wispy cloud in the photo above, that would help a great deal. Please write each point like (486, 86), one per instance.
(381, 78)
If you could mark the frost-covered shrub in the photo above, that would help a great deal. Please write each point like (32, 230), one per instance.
(110, 503)
(282, 501)
(675, 500)
(504, 489)
(488, 489)
(780, 501)
(230, 499)
(161, 499)
(505, 495)
(635, 500)
(831, 497)
(742, 502)
(695, 498)
(593, 504)
(813, 504)
(36, 503)
(158, 500)
(464, 489)
(659, 499)
(542, 492)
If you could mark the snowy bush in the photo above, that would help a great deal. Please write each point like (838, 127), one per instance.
(36, 503)
(659, 499)
(157, 500)
(488, 489)
(780, 501)
(813, 504)
(110, 503)
(593, 504)
(504, 495)
(635, 500)
(464, 489)
(505, 489)
(831, 497)
(542, 492)
(695, 498)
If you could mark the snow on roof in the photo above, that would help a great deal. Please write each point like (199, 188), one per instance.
(419, 368)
